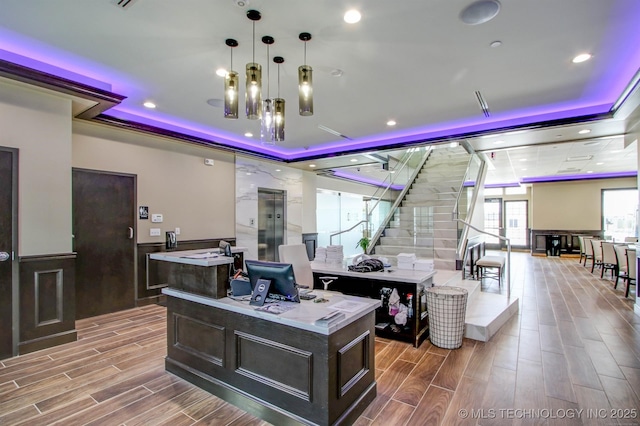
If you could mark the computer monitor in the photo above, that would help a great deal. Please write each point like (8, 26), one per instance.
(283, 282)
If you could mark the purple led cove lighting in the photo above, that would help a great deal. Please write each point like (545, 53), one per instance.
(189, 129)
(558, 178)
(53, 70)
(503, 185)
(369, 181)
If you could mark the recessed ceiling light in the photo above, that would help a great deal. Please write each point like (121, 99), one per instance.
(480, 12)
(498, 142)
(312, 165)
(524, 170)
(589, 171)
(391, 123)
(354, 160)
(149, 104)
(278, 170)
(221, 72)
(249, 134)
(496, 43)
(581, 58)
(392, 171)
(352, 16)
(336, 72)
(584, 131)
(599, 164)
(523, 159)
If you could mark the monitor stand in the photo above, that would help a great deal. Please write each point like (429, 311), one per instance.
(260, 292)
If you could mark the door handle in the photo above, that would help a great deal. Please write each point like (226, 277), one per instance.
(4, 256)
(130, 233)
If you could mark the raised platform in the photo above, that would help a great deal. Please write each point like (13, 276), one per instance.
(486, 312)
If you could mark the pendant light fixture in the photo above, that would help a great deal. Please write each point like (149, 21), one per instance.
(231, 81)
(278, 108)
(266, 128)
(253, 95)
(305, 82)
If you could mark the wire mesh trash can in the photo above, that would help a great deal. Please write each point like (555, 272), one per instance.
(447, 307)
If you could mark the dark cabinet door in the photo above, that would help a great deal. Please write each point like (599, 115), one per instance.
(103, 229)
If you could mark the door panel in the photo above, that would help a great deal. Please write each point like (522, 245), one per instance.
(6, 246)
(493, 222)
(103, 212)
(271, 223)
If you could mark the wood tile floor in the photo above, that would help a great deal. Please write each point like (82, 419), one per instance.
(575, 345)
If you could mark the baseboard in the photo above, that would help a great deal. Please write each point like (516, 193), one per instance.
(47, 342)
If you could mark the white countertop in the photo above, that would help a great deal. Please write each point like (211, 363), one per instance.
(200, 257)
(302, 316)
(389, 274)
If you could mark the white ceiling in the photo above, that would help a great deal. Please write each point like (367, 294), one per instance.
(413, 61)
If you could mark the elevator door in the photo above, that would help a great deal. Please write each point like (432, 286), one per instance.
(271, 220)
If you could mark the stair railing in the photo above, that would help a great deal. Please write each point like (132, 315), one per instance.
(376, 236)
(346, 230)
(478, 181)
(507, 271)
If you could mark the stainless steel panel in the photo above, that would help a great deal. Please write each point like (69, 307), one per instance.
(271, 222)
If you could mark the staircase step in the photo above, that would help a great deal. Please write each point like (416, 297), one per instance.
(419, 197)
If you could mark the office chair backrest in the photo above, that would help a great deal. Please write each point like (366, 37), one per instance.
(296, 254)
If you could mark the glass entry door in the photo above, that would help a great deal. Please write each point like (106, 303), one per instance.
(516, 221)
(493, 222)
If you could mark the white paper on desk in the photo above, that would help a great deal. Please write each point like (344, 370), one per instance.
(348, 306)
(201, 256)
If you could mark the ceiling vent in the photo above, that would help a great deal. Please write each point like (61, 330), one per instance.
(483, 104)
(123, 4)
(580, 158)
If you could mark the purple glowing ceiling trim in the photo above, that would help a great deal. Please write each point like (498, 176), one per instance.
(53, 70)
(584, 176)
(178, 126)
(503, 185)
(506, 120)
(369, 181)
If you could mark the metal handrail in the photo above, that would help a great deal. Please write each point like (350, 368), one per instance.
(346, 230)
(472, 202)
(508, 267)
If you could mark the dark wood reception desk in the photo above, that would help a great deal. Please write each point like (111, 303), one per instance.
(284, 368)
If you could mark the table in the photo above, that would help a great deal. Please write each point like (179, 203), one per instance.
(285, 369)
(409, 284)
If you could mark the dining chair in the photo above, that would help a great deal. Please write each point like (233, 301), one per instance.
(588, 247)
(631, 273)
(609, 261)
(585, 252)
(596, 250)
(621, 258)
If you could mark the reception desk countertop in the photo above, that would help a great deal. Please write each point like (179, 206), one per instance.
(391, 274)
(303, 315)
(201, 257)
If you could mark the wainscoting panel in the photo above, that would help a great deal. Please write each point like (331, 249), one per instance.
(47, 301)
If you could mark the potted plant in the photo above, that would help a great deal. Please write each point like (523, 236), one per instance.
(363, 243)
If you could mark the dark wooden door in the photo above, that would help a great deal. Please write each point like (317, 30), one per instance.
(6, 248)
(103, 229)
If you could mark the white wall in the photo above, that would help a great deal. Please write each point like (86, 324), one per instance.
(172, 179)
(39, 125)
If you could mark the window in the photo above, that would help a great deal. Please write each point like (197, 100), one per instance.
(619, 208)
